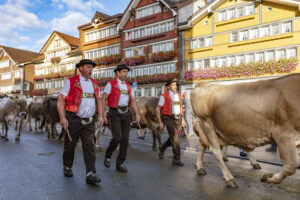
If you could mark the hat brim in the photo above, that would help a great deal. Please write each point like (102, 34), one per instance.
(119, 69)
(84, 63)
(169, 83)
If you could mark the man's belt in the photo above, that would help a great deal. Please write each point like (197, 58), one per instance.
(176, 103)
(124, 92)
(121, 110)
(84, 121)
(88, 95)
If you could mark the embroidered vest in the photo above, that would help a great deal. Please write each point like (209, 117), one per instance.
(167, 108)
(115, 93)
(74, 97)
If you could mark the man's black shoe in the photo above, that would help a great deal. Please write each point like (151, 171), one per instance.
(107, 162)
(161, 153)
(243, 154)
(177, 162)
(271, 149)
(121, 168)
(92, 179)
(68, 172)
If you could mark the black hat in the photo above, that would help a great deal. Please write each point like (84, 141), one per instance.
(85, 61)
(171, 81)
(120, 67)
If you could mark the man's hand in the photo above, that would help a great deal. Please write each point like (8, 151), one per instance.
(161, 126)
(105, 121)
(100, 120)
(64, 123)
(183, 123)
(137, 118)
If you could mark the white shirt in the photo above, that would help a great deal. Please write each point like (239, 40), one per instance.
(175, 98)
(87, 106)
(124, 98)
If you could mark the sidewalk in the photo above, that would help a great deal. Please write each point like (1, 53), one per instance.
(193, 144)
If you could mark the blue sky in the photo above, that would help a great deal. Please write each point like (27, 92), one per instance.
(27, 24)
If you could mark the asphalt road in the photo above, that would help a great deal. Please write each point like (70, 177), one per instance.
(32, 169)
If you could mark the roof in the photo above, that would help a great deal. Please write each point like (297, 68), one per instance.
(73, 41)
(215, 3)
(19, 55)
(134, 3)
(103, 17)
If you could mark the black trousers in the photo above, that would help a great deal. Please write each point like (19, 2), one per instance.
(120, 127)
(173, 127)
(86, 134)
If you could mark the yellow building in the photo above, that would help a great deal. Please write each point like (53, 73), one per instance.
(239, 39)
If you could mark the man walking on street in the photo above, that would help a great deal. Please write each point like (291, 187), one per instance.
(80, 98)
(119, 97)
(170, 106)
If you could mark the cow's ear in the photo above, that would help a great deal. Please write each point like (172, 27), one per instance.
(11, 98)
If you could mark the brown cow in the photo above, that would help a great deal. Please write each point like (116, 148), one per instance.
(248, 115)
(11, 110)
(36, 111)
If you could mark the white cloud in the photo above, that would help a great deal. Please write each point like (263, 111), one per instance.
(69, 22)
(15, 18)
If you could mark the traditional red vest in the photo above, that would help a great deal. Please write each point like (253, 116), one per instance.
(167, 107)
(74, 97)
(115, 93)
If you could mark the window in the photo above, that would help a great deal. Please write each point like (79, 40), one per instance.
(208, 42)
(222, 61)
(145, 70)
(270, 55)
(236, 12)
(240, 59)
(250, 10)
(158, 91)
(170, 26)
(253, 33)
(249, 58)
(231, 14)
(158, 69)
(138, 92)
(6, 76)
(172, 68)
(149, 10)
(222, 16)
(5, 63)
(231, 61)
(264, 31)
(287, 27)
(151, 70)
(148, 92)
(259, 57)
(165, 69)
(244, 35)
(280, 54)
(291, 53)
(234, 36)
(167, 46)
(165, 9)
(17, 74)
(275, 29)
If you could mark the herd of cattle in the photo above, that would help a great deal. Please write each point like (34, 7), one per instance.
(244, 115)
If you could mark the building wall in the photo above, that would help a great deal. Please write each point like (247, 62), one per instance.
(221, 32)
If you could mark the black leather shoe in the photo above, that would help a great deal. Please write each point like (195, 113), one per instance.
(121, 168)
(92, 179)
(68, 172)
(161, 153)
(271, 149)
(177, 162)
(107, 162)
(243, 154)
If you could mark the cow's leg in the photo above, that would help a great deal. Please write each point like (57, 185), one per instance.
(16, 127)
(224, 153)
(35, 128)
(53, 130)
(208, 127)
(199, 163)
(17, 139)
(2, 130)
(154, 134)
(6, 130)
(29, 120)
(287, 150)
(253, 161)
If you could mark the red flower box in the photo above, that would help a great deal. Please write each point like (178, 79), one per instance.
(107, 60)
(134, 60)
(163, 56)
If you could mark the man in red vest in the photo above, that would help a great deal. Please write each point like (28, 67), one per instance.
(170, 107)
(119, 97)
(80, 98)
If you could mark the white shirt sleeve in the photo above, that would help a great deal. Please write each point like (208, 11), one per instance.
(65, 90)
(107, 88)
(161, 101)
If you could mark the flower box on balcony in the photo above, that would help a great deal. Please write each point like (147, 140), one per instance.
(134, 60)
(41, 92)
(55, 60)
(163, 56)
(244, 70)
(107, 60)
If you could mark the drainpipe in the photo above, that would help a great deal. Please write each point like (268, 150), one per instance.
(22, 78)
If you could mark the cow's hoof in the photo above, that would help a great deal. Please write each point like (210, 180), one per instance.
(6, 139)
(201, 172)
(231, 183)
(266, 177)
(298, 167)
(140, 137)
(30, 130)
(17, 139)
(154, 148)
(256, 166)
(225, 159)
(2, 137)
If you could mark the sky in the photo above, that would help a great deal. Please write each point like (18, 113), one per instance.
(27, 24)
